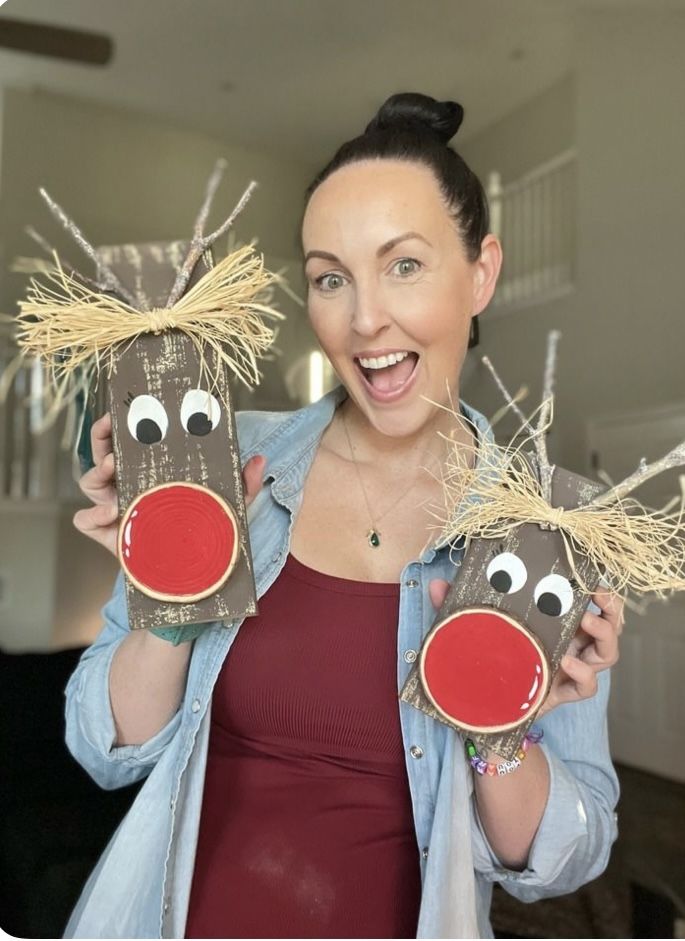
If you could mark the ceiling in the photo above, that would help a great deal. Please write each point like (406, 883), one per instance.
(299, 76)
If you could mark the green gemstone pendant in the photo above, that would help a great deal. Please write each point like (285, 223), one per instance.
(374, 538)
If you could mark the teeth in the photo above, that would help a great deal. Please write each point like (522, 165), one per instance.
(380, 362)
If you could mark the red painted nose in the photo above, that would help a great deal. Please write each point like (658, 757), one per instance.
(483, 671)
(178, 542)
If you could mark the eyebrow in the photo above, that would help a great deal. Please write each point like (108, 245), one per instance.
(383, 250)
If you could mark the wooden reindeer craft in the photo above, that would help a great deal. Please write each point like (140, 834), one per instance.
(170, 328)
(539, 540)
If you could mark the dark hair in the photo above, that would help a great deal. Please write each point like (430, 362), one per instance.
(414, 127)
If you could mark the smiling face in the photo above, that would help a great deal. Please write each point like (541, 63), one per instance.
(391, 291)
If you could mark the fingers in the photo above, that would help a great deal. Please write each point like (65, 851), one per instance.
(253, 474)
(95, 517)
(601, 646)
(101, 438)
(99, 523)
(576, 680)
(98, 483)
(611, 605)
(593, 649)
(437, 589)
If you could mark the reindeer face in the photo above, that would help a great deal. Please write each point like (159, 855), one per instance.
(487, 665)
(179, 536)
(182, 535)
(487, 662)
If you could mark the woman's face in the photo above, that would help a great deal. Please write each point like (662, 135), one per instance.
(391, 291)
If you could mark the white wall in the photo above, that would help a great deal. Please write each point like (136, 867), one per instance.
(624, 328)
(515, 341)
(127, 177)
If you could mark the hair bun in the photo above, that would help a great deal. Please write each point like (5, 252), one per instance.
(411, 109)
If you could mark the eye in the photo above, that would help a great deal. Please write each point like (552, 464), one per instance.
(407, 266)
(147, 420)
(329, 282)
(554, 595)
(506, 573)
(200, 412)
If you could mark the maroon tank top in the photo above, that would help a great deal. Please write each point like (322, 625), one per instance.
(307, 827)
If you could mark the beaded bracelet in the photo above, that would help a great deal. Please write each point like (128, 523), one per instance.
(481, 766)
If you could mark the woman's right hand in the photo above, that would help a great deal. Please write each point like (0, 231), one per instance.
(101, 521)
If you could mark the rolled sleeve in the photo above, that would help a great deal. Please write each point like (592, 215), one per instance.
(90, 728)
(578, 826)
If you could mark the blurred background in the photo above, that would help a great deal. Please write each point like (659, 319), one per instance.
(574, 122)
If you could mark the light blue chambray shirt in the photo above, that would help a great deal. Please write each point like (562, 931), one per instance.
(141, 885)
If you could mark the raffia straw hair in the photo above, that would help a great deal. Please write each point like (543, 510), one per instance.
(631, 547)
(71, 327)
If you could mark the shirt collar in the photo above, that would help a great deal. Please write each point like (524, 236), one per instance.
(287, 466)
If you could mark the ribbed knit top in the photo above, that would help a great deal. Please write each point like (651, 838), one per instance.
(307, 827)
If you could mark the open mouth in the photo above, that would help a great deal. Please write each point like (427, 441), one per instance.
(389, 374)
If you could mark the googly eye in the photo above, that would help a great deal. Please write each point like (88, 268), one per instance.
(506, 573)
(554, 595)
(147, 419)
(200, 412)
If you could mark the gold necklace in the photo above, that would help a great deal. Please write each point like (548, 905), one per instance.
(373, 536)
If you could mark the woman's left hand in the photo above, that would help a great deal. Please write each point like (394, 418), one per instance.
(593, 649)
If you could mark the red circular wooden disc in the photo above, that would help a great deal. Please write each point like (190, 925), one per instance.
(483, 671)
(178, 542)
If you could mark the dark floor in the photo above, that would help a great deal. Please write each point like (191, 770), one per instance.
(642, 892)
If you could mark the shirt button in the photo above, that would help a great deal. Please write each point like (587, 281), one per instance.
(416, 751)
(167, 905)
(424, 853)
(275, 558)
(412, 583)
(409, 656)
(195, 707)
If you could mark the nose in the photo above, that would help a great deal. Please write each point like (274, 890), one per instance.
(483, 670)
(178, 542)
(371, 314)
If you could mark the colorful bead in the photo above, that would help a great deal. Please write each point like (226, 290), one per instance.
(481, 766)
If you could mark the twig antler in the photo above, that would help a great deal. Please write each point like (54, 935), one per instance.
(537, 434)
(200, 243)
(109, 280)
(51, 251)
(509, 398)
(674, 458)
(540, 442)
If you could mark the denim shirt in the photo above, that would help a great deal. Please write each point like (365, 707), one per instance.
(141, 885)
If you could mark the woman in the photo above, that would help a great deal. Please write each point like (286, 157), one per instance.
(305, 803)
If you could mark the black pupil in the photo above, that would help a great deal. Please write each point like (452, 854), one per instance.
(501, 581)
(148, 431)
(549, 603)
(199, 424)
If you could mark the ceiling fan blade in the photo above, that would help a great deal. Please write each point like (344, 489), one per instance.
(43, 39)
